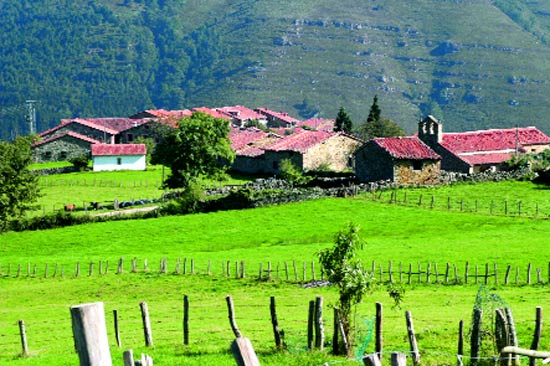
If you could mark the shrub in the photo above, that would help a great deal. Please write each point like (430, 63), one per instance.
(292, 174)
(80, 163)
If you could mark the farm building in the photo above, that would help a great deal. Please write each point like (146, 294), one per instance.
(478, 151)
(404, 160)
(108, 157)
(262, 152)
(62, 147)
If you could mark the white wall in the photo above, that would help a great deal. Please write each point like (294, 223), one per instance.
(128, 162)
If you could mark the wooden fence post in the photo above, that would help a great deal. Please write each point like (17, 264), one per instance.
(310, 321)
(275, 323)
(378, 330)
(117, 330)
(412, 338)
(398, 359)
(319, 328)
(460, 351)
(507, 275)
(23, 336)
(512, 332)
(185, 320)
(475, 338)
(231, 316)
(466, 272)
(128, 357)
(90, 334)
(371, 360)
(536, 336)
(146, 324)
(502, 336)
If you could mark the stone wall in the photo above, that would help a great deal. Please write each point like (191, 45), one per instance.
(336, 152)
(373, 164)
(405, 174)
(62, 149)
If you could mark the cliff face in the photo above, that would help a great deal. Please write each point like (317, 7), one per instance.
(473, 64)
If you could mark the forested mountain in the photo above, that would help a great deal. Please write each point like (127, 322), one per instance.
(473, 63)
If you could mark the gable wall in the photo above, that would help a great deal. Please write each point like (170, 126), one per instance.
(336, 151)
(63, 149)
(373, 164)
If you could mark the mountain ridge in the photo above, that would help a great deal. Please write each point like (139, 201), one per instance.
(473, 64)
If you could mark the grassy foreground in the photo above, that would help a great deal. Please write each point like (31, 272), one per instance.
(44, 305)
(407, 234)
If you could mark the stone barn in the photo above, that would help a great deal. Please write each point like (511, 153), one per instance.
(403, 160)
(62, 147)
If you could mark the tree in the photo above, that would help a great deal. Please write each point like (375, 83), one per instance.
(376, 126)
(343, 121)
(374, 112)
(199, 147)
(344, 270)
(18, 184)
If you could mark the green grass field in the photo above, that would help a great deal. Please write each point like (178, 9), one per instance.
(294, 232)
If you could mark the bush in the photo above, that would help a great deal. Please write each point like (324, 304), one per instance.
(80, 163)
(292, 174)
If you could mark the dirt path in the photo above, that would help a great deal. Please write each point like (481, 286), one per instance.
(127, 212)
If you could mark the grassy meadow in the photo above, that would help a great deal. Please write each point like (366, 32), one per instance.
(294, 232)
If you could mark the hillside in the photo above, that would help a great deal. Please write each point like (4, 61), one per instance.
(475, 64)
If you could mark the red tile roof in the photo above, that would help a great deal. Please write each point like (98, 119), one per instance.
(300, 141)
(65, 122)
(240, 113)
(488, 158)
(320, 124)
(70, 134)
(251, 141)
(241, 138)
(95, 123)
(211, 112)
(283, 116)
(118, 149)
(493, 140)
(406, 148)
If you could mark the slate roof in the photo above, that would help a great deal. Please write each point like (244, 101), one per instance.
(493, 140)
(118, 149)
(69, 134)
(410, 148)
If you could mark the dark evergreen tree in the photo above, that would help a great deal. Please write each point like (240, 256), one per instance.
(374, 113)
(376, 126)
(343, 121)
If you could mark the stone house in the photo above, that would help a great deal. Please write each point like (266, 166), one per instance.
(308, 150)
(240, 115)
(277, 119)
(62, 147)
(403, 160)
(478, 151)
(110, 157)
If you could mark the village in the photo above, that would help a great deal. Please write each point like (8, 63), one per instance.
(262, 138)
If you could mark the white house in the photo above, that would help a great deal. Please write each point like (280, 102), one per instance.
(118, 157)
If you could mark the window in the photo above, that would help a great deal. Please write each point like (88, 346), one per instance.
(47, 155)
(119, 161)
(130, 137)
(417, 165)
(63, 155)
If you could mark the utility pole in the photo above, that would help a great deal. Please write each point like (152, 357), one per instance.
(31, 115)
